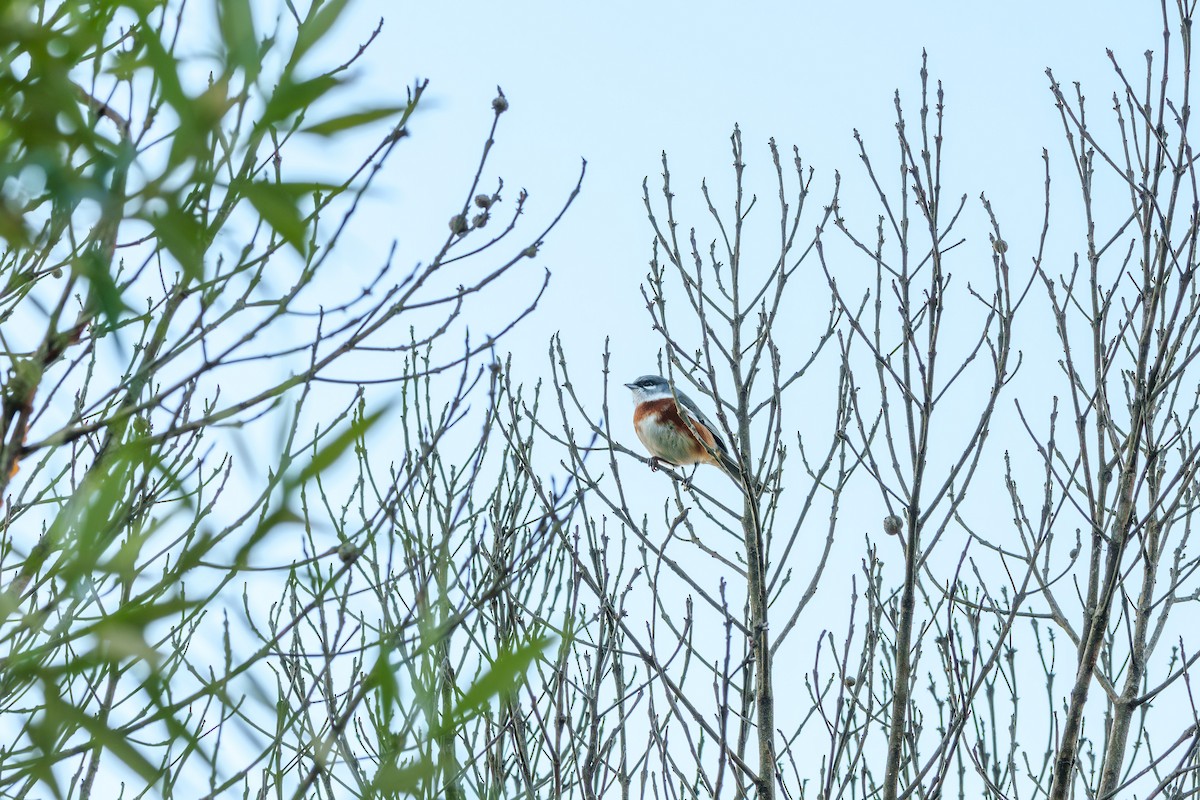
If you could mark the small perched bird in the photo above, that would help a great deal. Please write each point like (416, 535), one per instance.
(667, 436)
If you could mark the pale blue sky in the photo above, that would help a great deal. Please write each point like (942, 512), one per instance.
(618, 83)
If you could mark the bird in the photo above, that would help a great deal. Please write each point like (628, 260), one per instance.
(665, 433)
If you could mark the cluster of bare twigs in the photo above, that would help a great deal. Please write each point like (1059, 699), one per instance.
(189, 390)
(687, 618)
(455, 622)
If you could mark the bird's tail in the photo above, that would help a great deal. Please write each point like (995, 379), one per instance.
(731, 466)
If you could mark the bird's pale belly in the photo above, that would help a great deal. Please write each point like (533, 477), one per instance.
(668, 444)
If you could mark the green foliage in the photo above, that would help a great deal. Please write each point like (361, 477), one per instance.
(402, 775)
(63, 66)
(163, 579)
(500, 681)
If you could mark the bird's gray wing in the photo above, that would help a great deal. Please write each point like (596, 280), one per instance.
(691, 407)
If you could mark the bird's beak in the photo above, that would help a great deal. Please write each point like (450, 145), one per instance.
(629, 386)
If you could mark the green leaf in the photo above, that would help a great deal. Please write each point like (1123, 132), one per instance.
(278, 205)
(322, 459)
(320, 19)
(66, 714)
(502, 679)
(280, 516)
(197, 117)
(166, 68)
(184, 237)
(124, 64)
(138, 615)
(104, 294)
(332, 451)
(12, 226)
(408, 779)
(291, 97)
(383, 678)
(84, 529)
(126, 643)
(355, 120)
(237, 32)
(166, 713)
(116, 743)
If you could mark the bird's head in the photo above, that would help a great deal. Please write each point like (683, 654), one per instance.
(649, 387)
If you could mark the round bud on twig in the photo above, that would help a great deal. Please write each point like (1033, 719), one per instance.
(483, 201)
(892, 524)
(1000, 246)
(479, 220)
(458, 223)
(500, 104)
(530, 252)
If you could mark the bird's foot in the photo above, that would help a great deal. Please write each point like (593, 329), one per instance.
(654, 463)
